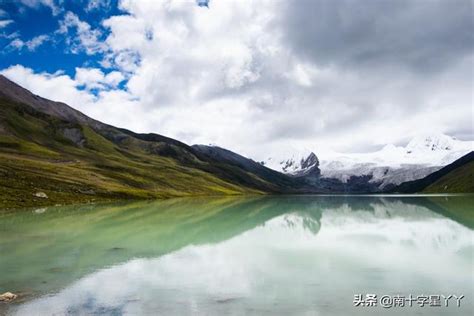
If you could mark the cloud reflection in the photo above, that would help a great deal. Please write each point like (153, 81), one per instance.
(310, 258)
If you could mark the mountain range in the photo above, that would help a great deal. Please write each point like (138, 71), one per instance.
(53, 154)
(453, 178)
(383, 169)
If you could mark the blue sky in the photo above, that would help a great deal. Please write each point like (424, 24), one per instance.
(30, 21)
(257, 77)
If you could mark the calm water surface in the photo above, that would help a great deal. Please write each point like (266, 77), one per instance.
(302, 255)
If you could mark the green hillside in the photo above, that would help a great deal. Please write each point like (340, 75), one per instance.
(35, 156)
(460, 180)
(52, 154)
(456, 177)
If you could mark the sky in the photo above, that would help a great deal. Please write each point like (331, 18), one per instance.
(256, 77)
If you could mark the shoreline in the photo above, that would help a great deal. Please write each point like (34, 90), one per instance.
(31, 207)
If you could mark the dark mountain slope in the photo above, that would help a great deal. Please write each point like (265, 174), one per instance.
(73, 163)
(17, 94)
(308, 181)
(218, 154)
(457, 177)
(46, 146)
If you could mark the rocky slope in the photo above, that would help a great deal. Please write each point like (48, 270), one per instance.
(295, 163)
(51, 153)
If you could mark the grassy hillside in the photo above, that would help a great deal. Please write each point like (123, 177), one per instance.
(51, 153)
(456, 177)
(460, 180)
(71, 162)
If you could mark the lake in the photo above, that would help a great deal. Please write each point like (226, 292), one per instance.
(281, 255)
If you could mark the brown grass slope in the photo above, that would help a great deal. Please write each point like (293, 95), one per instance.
(46, 146)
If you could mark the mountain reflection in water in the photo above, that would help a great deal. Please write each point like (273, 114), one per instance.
(298, 254)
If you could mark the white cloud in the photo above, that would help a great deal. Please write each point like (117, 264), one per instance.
(94, 78)
(55, 8)
(57, 87)
(91, 78)
(228, 66)
(112, 106)
(93, 5)
(12, 35)
(36, 41)
(4, 23)
(187, 52)
(31, 45)
(83, 37)
(228, 75)
(16, 44)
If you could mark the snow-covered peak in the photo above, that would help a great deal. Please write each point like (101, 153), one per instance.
(392, 164)
(297, 163)
(434, 142)
(427, 150)
(434, 150)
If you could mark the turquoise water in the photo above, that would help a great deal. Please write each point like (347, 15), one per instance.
(300, 255)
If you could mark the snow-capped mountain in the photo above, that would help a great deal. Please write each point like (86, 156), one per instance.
(298, 163)
(391, 165)
(428, 150)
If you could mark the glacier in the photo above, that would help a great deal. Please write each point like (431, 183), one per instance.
(391, 165)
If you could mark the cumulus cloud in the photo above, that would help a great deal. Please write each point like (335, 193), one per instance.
(109, 104)
(55, 8)
(80, 36)
(57, 86)
(94, 5)
(338, 80)
(10, 36)
(187, 53)
(255, 76)
(31, 45)
(94, 78)
(4, 23)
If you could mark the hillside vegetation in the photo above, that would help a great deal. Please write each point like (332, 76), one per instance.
(460, 180)
(36, 156)
(51, 153)
(457, 177)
